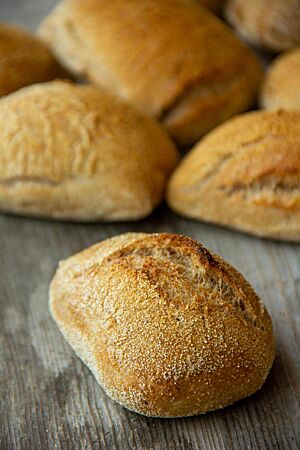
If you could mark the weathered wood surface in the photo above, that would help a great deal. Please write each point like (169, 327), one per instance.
(50, 400)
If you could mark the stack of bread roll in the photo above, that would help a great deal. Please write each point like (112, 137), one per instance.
(168, 328)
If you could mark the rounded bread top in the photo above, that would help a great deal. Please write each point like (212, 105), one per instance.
(246, 149)
(24, 59)
(281, 86)
(151, 53)
(274, 25)
(167, 327)
(88, 149)
(244, 174)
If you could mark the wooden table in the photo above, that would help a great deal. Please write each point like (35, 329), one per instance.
(50, 400)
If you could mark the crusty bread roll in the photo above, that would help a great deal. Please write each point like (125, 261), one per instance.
(245, 175)
(281, 86)
(273, 25)
(76, 152)
(24, 60)
(172, 59)
(168, 328)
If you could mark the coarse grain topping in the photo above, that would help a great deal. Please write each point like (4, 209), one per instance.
(160, 314)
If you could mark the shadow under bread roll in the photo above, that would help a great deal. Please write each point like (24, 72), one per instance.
(213, 5)
(246, 175)
(167, 327)
(24, 60)
(77, 152)
(172, 59)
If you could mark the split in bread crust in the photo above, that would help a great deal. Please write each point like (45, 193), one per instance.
(281, 85)
(245, 174)
(76, 152)
(167, 327)
(172, 59)
(24, 59)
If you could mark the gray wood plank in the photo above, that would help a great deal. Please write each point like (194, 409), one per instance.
(50, 400)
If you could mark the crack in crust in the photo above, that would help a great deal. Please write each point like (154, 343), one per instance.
(274, 184)
(244, 175)
(167, 327)
(185, 276)
(215, 171)
(23, 179)
(267, 183)
(189, 88)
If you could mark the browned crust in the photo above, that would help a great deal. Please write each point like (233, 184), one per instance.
(271, 24)
(246, 175)
(168, 328)
(105, 42)
(24, 60)
(76, 152)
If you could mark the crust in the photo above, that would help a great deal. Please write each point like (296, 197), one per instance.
(164, 74)
(24, 60)
(213, 103)
(273, 24)
(168, 328)
(246, 175)
(80, 153)
(281, 86)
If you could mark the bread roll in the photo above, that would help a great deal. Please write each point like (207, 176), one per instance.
(77, 152)
(24, 60)
(168, 328)
(172, 59)
(273, 25)
(281, 86)
(245, 175)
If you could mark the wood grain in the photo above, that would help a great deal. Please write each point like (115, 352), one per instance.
(50, 400)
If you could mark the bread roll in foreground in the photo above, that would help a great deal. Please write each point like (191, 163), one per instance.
(24, 59)
(281, 86)
(273, 25)
(168, 328)
(76, 152)
(245, 175)
(172, 59)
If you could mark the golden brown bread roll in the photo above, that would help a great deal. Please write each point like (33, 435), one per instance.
(76, 152)
(24, 60)
(172, 59)
(168, 328)
(245, 175)
(273, 25)
(281, 86)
